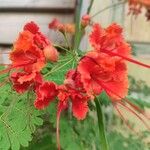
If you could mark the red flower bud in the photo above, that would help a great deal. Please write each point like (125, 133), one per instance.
(85, 20)
(32, 27)
(51, 53)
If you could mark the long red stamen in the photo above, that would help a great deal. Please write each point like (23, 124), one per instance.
(126, 58)
(123, 118)
(126, 100)
(129, 109)
(135, 107)
(60, 108)
(13, 67)
(138, 116)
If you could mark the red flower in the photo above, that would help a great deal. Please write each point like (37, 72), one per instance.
(26, 54)
(109, 39)
(32, 47)
(79, 102)
(46, 92)
(31, 36)
(24, 41)
(30, 52)
(70, 91)
(63, 97)
(111, 42)
(109, 74)
(42, 42)
(32, 27)
(18, 87)
(79, 105)
(22, 86)
(78, 94)
(29, 46)
(31, 60)
(29, 63)
(101, 72)
(73, 90)
(73, 80)
(38, 39)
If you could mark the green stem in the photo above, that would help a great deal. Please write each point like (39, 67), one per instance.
(67, 42)
(102, 135)
(77, 25)
(90, 7)
(62, 48)
(108, 7)
(58, 68)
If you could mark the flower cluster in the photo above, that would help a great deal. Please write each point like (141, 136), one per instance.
(97, 71)
(103, 69)
(29, 55)
(137, 5)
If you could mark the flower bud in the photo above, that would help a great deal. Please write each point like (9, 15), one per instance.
(85, 20)
(51, 53)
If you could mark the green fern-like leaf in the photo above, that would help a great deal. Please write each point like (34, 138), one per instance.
(56, 72)
(18, 119)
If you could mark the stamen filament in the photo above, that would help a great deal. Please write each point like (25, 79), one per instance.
(126, 58)
(57, 127)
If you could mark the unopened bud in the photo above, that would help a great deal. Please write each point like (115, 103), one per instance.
(51, 53)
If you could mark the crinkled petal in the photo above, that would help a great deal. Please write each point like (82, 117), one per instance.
(32, 27)
(79, 108)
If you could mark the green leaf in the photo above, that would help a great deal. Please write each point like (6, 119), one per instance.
(4, 93)
(104, 98)
(57, 71)
(4, 139)
(119, 141)
(45, 143)
(18, 121)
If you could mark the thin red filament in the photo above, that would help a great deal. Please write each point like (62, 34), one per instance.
(126, 58)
